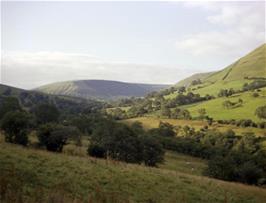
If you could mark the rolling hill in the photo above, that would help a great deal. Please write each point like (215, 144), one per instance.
(100, 89)
(248, 68)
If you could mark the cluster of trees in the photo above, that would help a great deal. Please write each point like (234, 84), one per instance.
(243, 123)
(230, 157)
(190, 98)
(196, 82)
(226, 93)
(121, 142)
(254, 85)
(107, 137)
(176, 113)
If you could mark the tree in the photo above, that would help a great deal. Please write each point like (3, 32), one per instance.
(180, 114)
(209, 120)
(96, 151)
(118, 113)
(255, 94)
(9, 104)
(137, 128)
(181, 89)
(261, 112)
(53, 136)
(166, 112)
(153, 152)
(46, 113)
(15, 125)
(202, 113)
(227, 104)
(196, 82)
(7, 91)
(118, 141)
(166, 130)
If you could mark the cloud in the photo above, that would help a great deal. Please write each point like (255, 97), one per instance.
(238, 27)
(32, 69)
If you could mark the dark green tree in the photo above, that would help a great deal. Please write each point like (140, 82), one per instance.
(261, 112)
(9, 104)
(46, 113)
(15, 125)
(53, 136)
(153, 152)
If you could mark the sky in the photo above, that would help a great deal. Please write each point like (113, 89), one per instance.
(141, 42)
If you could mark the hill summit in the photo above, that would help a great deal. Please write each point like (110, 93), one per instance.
(100, 89)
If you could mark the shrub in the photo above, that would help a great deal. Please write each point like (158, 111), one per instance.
(96, 151)
(153, 152)
(15, 125)
(9, 104)
(261, 112)
(53, 136)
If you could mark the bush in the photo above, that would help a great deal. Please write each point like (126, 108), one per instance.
(118, 140)
(15, 125)
(9, 104)
(261, 112)
(96, 151)
(53, 136)
(153, 152)
(124, 143)
(164, 130)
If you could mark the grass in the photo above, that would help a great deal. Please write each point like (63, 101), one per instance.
(216, 110)
(46, 176)
(153, 122)
(183, 163)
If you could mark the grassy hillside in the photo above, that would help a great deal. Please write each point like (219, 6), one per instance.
(187, 81)
(5, 89)
(244, 70)
(216, 110)
(100, 89)
(251, 65)
(36, 175)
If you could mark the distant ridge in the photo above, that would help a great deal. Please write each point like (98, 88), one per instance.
(100, 89)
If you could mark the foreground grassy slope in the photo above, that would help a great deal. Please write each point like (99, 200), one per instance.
(42, 173)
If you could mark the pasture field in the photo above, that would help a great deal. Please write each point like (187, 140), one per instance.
(32, 175)
(153, 122)
(216, 110)
(213, 88)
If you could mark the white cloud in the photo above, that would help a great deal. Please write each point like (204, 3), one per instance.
(30, 70)
(240, 27)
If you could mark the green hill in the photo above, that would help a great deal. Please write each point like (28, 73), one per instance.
(187, 81)
(100, 89)
(29, 99)
(245, 70)
(253, 65)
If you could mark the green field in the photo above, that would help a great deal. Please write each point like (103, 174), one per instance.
(50, 177)
(153, 122)
(215, 109)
